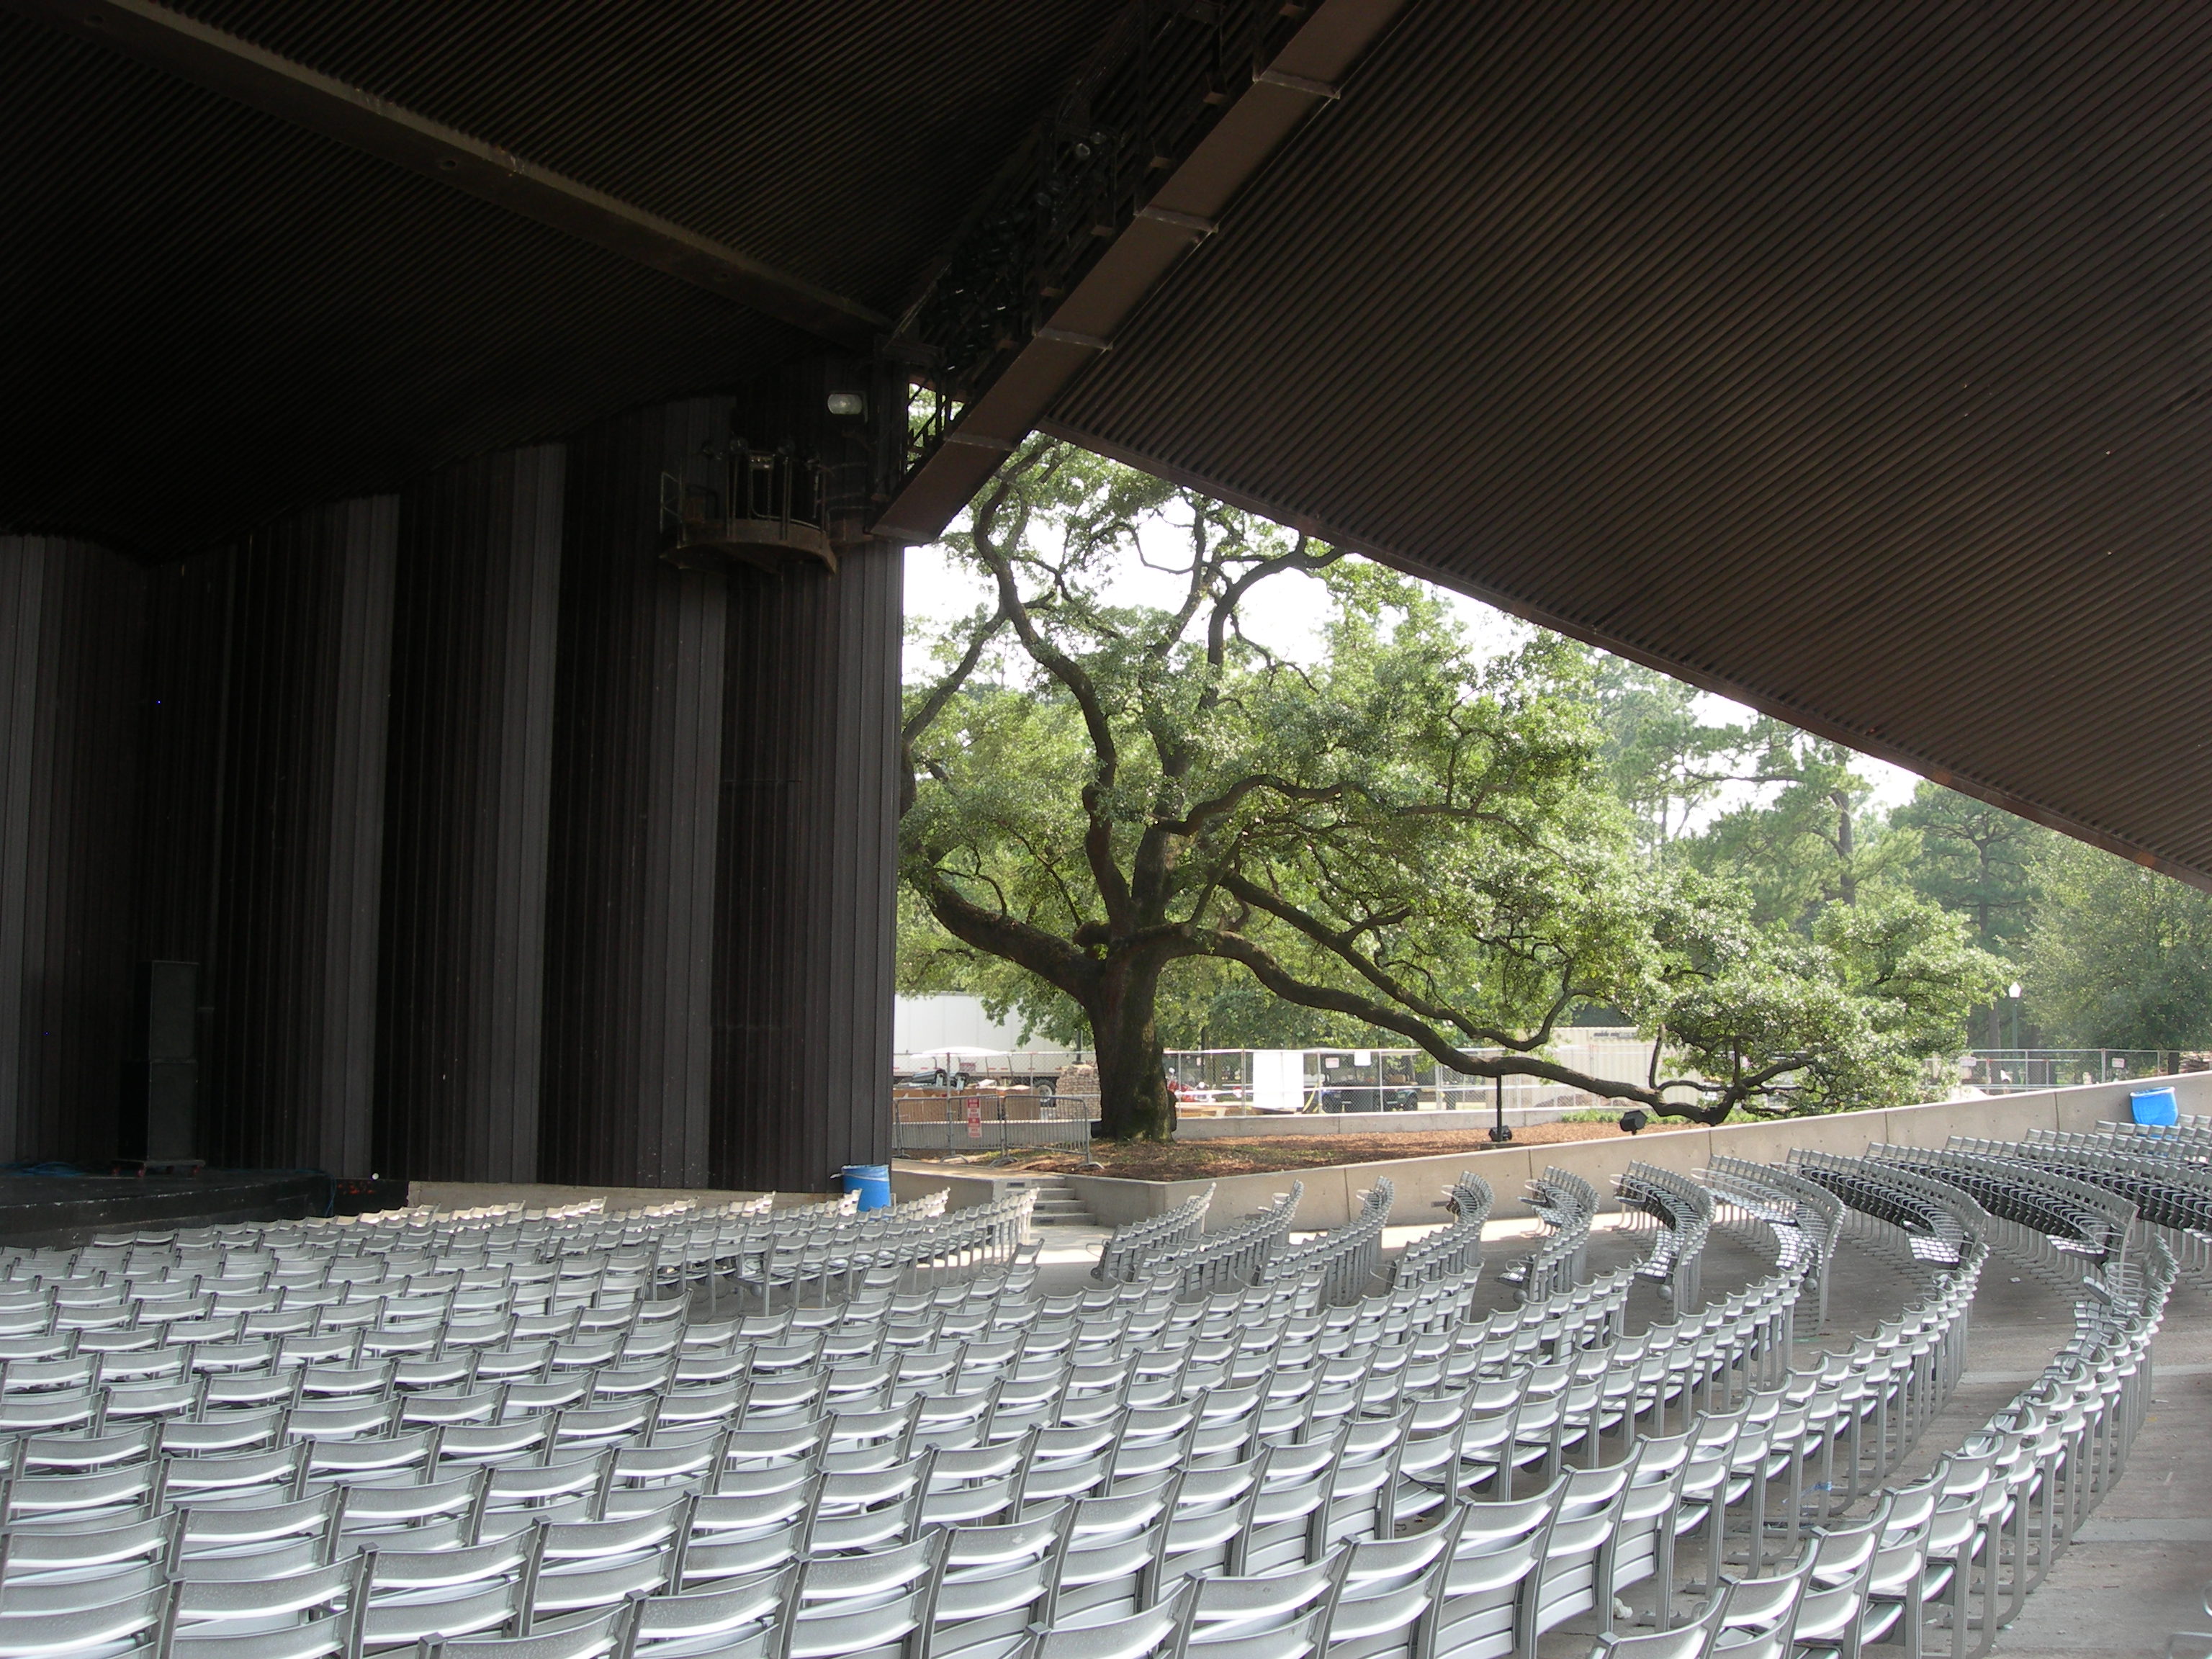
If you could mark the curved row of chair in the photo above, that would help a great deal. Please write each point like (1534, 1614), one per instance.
(1973, 1537)
(1232, 1256)
(2059, 1229)
(981, 1471)
(1340, 1263)
(2176, 1146)
(588, 1224)
(1566, 1203)
(1803, 1221)
(818, 1250)
(2187, 1136)
(1453, 1250)
(1918, 1220)
(1126, 1256)
(756, 1257)
(2173, 1195)
(1684, 1211)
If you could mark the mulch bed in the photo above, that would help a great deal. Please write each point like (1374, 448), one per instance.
(1203, 1160)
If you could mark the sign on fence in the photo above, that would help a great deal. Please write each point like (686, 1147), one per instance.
(974, 1117)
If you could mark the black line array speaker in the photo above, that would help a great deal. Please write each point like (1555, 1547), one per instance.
(161, 1063)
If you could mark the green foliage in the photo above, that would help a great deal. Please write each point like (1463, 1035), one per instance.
(1877, 988)
(2119, 957)
(1135, 820)
(1805, 842)
(1661, 758)
(1799, 835)
(1973, 859)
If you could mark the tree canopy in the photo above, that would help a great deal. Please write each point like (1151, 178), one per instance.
(2117, 957)
(1122, 802)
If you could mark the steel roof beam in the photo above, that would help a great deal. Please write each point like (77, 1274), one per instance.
(247, 74)
(1304, 76)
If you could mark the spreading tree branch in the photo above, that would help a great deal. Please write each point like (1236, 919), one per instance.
(1718, 1099)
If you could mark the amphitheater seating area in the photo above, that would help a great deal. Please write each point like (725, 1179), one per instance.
(800, 1433)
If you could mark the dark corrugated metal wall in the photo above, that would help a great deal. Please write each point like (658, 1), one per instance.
(510, 850)
(473, 642)
(629, 941)
(295, 979)
(72, 619)
(262, 846)
(805, 922)
(190, 642)
(22, 594)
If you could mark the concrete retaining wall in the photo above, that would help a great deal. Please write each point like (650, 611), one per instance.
(1361, 1123)
(912, 1181)
(1332, 1194)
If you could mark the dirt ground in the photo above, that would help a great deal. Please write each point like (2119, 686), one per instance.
(1202, 1160)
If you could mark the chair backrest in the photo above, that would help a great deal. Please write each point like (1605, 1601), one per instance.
(594, 1638)
(283, 1470)
(470, 1563)
(1307, 1634)
(856, 1624)
(1039, 1536)
(725, 1612)
(27, 1549)
(1767, 1609)
(326, 1586)
(1160, 1630)
(60, 1494)
(367, 1508)
(590, 1540)
(855, 1578)
(1227, 1604)
(1695, 1640)
(311, 1638)
(212, 1528)
(1385, 1617)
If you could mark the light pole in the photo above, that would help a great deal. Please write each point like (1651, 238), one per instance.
(1499, 1132)
(2014, 993)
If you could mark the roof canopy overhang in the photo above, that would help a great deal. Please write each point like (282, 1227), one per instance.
(1854, 360)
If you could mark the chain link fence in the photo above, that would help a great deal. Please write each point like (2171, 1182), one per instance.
(2009, 1071)
(982, 1123)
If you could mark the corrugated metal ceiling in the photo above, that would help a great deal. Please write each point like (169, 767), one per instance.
(1855, 359)
(213, 317)
(841, 143)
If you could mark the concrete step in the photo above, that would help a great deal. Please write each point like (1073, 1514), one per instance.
(1056, 1203)
(1061, 1213)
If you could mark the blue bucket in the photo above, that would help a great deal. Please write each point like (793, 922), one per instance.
(874, 1184)
(2151, 1106)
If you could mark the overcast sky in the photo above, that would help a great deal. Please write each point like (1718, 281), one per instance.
(1284, 613)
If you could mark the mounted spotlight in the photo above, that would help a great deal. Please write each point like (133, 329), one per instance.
(1631, 1122)
(848, 403)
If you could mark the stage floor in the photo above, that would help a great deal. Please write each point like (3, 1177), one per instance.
(45, 1209)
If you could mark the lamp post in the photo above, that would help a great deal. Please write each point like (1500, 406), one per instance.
(2013, 991)
(1499, 1132)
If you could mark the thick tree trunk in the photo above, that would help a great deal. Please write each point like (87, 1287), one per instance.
(1844, 847)
(1133, 1103)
